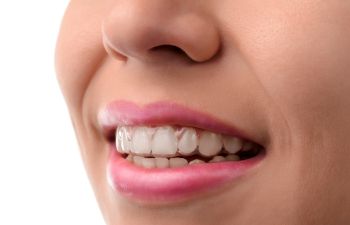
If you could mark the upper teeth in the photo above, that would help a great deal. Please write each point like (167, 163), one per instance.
(168, 141)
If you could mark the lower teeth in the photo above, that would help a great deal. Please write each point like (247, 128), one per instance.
(163, 162)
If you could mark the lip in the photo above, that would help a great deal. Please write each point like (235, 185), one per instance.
(171, 184)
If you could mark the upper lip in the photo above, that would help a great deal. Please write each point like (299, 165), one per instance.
(125, 113)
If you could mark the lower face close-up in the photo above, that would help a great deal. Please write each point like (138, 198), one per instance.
(211, 112)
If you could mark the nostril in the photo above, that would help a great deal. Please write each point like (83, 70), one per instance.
(171, 49)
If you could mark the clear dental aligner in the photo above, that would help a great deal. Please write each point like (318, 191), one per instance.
(173, 146)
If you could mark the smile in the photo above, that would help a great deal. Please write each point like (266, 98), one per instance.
(163, 152)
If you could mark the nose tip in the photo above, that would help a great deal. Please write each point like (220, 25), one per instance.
(137, 29)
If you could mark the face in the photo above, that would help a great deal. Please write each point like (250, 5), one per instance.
(261, 87)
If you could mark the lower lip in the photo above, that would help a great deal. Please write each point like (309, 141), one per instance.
(172, 184)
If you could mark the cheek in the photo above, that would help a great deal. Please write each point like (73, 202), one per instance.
(302, 58)
(79, 50)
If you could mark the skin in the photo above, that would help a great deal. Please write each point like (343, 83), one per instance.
(277, 69)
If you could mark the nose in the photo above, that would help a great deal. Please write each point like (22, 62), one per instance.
(142, 30)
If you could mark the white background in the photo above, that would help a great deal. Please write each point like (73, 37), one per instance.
(42, 179)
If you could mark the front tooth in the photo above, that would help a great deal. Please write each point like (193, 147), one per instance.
(177, 162)
(162, 163)
(188, 141)
(141, 141)
(209, 143)
(164, 142)
(123, 139)
(232, 144)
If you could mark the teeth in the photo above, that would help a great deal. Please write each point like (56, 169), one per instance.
(141, 141)
(148, 163)
(163, 146)
(123, 140)
(130, 158)
(248, 146)
(196, 161)
(164, 142)
(177, 162)
(162, 162)
(138, 160)
(232, 144)
(232, 158)
(188, 141)
(218, 158)
(209, 144)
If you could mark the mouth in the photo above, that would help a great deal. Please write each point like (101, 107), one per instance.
(164, 152)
